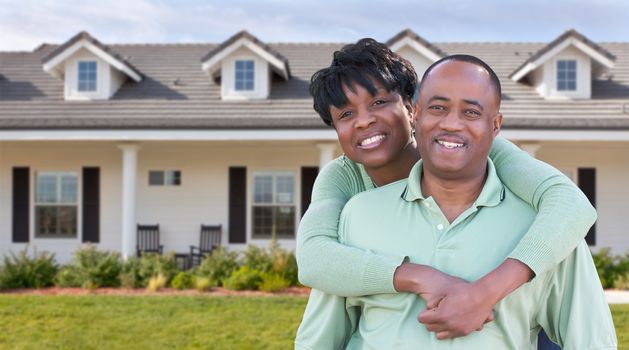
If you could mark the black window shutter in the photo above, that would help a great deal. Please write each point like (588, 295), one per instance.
(587, 184)
(21, 197)
(308, 176)
(91, 205)
(237, 205)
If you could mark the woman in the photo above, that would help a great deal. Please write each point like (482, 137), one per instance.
(375, 132)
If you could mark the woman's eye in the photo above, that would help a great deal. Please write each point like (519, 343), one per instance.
(345, 114)
(379, 102)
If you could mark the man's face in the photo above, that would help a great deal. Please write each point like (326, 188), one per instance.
(458, 119)
(373, 130)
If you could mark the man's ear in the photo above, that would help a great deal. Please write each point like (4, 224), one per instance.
(497, 123)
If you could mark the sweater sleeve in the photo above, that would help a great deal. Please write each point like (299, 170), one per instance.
(564, 214)
(323, 262)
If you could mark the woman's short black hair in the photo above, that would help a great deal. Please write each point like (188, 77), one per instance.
(360, 63)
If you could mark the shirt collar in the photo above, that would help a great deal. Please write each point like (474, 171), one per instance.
(492, 194)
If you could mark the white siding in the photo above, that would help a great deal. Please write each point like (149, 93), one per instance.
(611, 161)
(546, 82)
(180, 210)
(419, 61)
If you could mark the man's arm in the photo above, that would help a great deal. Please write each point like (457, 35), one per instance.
(574, 312)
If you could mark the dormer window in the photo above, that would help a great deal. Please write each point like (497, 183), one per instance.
(566, 75)
(245, 66)
(245, 74)
(89, 69)
(87, 76)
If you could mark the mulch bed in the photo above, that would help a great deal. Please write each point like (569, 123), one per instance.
(291, 291)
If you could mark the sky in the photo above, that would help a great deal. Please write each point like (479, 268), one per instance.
(25, 24)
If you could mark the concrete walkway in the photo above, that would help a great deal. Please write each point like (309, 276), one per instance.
(617, 296)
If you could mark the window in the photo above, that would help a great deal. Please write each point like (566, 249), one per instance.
(87, 75)
(56, 205)
(566, 75)
(165, 178)
(273, 205)
(244, 75)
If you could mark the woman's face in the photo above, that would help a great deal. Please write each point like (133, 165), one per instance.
(373, 130)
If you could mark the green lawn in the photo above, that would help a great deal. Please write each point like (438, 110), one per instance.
(164, 322)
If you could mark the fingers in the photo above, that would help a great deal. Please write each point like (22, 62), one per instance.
(434, 302)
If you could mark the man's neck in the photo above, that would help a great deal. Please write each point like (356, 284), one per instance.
(454, 196)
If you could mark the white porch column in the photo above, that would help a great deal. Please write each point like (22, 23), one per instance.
(129, 178)
(326, 153)
(530, 148)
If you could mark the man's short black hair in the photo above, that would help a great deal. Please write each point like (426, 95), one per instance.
(360, 63)
(469, 59)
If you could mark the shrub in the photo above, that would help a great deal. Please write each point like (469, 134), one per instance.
(613, 270)
(259, 258)
(157, 282)
(130, 274)
(245, 278)
(91, 268)
(136, 272)
(218, 266)
(23, 271)
(183, 280)
(202, 284)
(152, 265)
(272, 282)
(284, 264)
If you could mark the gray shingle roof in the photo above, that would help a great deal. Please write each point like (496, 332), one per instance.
(176, 94)
(409, 33)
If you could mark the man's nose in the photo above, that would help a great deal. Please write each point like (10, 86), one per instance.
(451, 121)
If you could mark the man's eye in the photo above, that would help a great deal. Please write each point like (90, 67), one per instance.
(472, 113)
(437, 108)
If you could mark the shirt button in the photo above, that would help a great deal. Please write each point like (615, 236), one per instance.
(427, 204)
(440, 227)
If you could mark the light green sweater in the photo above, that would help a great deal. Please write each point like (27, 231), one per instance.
(563, 219)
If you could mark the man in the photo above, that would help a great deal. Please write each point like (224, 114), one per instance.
(454, 214)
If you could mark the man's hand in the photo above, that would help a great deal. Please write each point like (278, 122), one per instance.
(460, 311)
(454, 307)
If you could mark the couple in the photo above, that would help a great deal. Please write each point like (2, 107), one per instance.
(403, 251)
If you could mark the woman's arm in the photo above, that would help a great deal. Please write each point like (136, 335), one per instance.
(323, 262)
(563, 219)
(564, 213)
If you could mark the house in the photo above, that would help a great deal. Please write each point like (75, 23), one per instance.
(95, 138)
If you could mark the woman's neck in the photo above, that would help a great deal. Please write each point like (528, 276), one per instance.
(396, 169)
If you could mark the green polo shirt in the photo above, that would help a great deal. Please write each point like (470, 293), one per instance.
(567, 301)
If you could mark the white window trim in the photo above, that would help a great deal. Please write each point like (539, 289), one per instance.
(245, 94)
(33, 204)
(251, 172)
(78, 77)
(556, 94)
(236, 79)
(164, 172)
(576, 75)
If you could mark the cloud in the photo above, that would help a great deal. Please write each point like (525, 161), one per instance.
(27, 23)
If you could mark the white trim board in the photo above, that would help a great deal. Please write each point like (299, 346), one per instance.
(167, 135)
